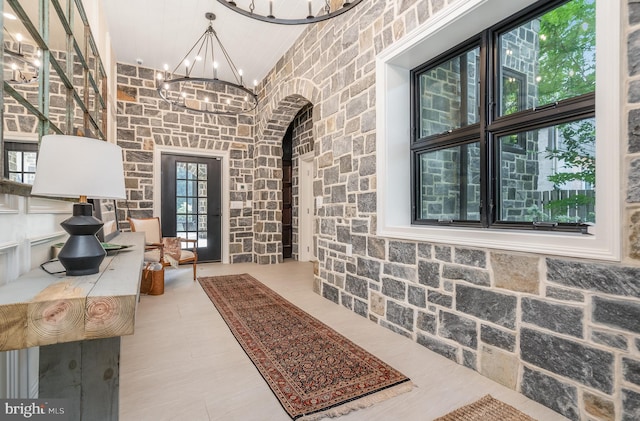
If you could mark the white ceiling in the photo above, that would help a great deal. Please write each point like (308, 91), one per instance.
(160, 32)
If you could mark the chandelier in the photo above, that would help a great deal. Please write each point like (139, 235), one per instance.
(291, 12)
(198, 87)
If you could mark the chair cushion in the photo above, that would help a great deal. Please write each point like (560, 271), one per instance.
(187, 255)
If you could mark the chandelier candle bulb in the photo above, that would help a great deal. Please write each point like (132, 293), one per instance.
(271, 10)
(310, 16)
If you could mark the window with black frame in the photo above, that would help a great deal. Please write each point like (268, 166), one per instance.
(20, 161)
(504, 125)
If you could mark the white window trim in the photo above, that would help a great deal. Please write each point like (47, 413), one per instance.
(445, 30)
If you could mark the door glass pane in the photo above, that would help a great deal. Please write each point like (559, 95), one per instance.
(449, 184)
(449, 94)
(191, 188)
(192, 171)
(549, 58)
(202, 171)
(181, 170)
(181, 188)
(554, 180)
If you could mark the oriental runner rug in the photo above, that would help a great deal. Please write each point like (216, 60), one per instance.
(313, 370)
(487, 408)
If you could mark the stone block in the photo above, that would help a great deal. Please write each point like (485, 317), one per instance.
(552, 393)
(475, 276)
(407, 273)
(487, 305)
(440, 299)
(633, 126)
(439, 347)
(360, 308)
(376, 302)
(607, 278)
(376, 247)
(601, 408)
(457, 328)
(633, 192)
(469, 359)
(633, 53)
(634, 235)
(609, 339)
(557, 317)
(400, 315)
(516, 272)
(330, 293)
(616, 313)
(497, 337)
(470, 257)
(429, 274)
(416, 296)
(443, 253)
(564, 294)
(634, 12)
(424, 251)
(499, 366)
(368, 268)
(426, 322)
(402, 252)
(367, 202)
(630, 405)
(356, 286)
(587, 365)
(631, 370)
(394, 289)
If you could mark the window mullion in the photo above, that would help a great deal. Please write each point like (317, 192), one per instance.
(486, 106)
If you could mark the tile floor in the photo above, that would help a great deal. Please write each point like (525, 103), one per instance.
(183, 363)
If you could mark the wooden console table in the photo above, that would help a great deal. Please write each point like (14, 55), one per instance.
(77, 322)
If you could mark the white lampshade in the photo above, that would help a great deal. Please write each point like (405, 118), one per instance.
(72, 166)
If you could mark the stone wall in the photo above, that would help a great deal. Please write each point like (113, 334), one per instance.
(563, 332)
(145, 120)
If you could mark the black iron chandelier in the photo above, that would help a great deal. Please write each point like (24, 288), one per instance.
(291, 12)
(199, 88)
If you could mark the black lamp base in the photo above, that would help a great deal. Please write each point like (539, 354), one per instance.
(82, 253)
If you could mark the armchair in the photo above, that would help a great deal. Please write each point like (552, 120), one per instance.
(167, 251)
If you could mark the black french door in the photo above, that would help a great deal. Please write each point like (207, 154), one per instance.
(191, 202)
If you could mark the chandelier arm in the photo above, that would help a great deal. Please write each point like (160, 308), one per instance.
(347, 5)
(187, 55)
(233, 67)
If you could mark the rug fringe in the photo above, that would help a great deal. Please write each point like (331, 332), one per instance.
(360, 403)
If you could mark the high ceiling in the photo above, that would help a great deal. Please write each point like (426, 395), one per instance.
(159, 32)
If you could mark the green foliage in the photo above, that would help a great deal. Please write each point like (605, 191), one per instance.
(567, 69)
(567, 52)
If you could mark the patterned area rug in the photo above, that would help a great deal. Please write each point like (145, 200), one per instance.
(486, 409)
(314, 371)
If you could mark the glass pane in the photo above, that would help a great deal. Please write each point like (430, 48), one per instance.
(202, 189)
(181, 170)
(181, 205)
(15, 177)
(30, 161)
(181, 222)
(28, 178)
(15, 161)
(202, 171)
(192, 171)
(181, 188)
(449, 184)
(191, 188)
(554, 181)
(549, 58)
(449, 94)
(202, 206)
(202, 226)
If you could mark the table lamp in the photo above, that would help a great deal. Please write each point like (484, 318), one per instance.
(72, 166)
